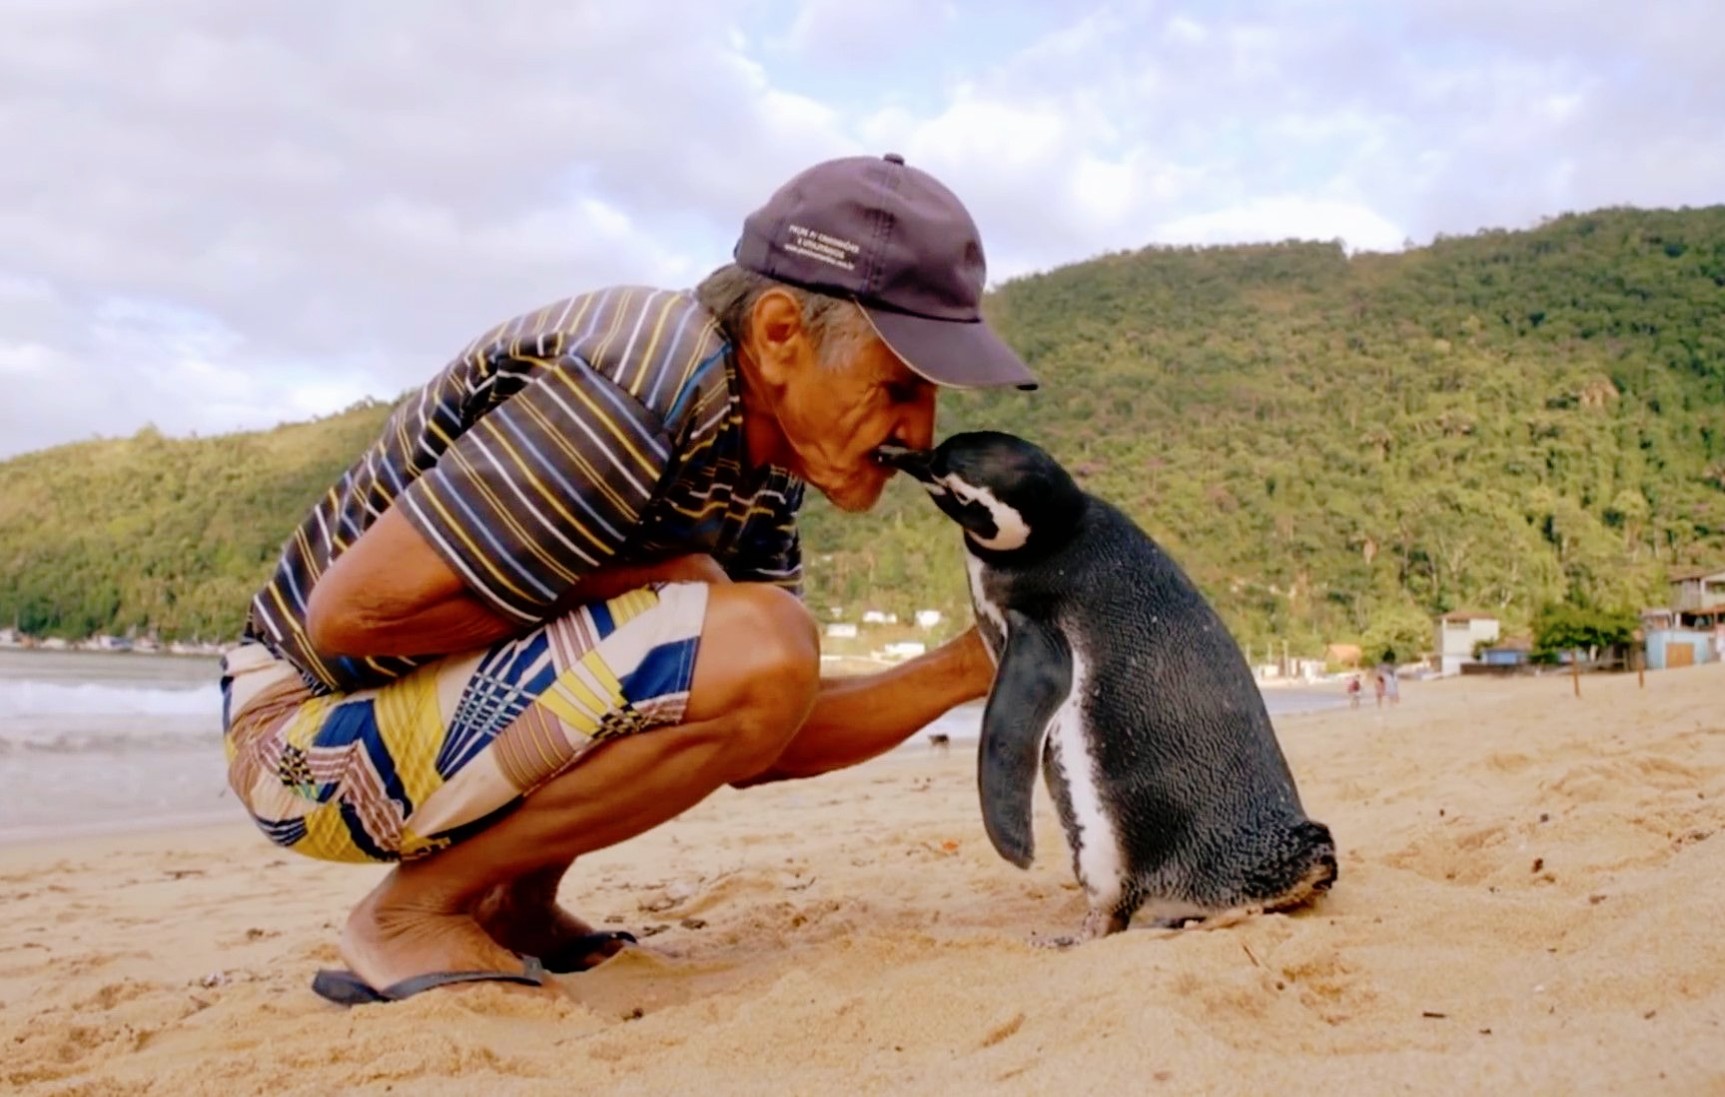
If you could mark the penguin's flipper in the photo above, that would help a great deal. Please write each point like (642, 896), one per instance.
(1034, 678)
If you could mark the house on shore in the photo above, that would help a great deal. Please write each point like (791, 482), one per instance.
(1458, 632)
(1698, 597)
(1515, 651)
(1691, 629)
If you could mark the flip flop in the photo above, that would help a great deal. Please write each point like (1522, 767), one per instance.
(344, 988)
(577, 952)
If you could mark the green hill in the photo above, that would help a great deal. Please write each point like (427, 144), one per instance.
(1336, 447)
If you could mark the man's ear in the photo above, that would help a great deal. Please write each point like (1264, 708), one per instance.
(779, 341)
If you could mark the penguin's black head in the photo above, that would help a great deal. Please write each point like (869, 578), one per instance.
(1008, 494)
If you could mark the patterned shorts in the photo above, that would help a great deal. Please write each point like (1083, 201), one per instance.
(405, 769)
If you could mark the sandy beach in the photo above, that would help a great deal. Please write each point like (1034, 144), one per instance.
(1528, 903)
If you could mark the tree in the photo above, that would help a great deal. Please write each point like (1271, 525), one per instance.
(1572, 628)
(1397, 637)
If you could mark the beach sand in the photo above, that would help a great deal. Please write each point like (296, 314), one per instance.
(1529, 902)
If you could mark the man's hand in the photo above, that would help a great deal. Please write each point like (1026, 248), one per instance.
(618, 579)
(972, 663)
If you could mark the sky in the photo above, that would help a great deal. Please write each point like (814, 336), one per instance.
(218, 216)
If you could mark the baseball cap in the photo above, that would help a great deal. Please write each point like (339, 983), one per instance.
(899, 243)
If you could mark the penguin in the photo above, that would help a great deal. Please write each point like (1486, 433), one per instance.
(1116, 677)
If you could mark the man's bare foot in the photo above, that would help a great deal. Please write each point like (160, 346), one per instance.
(525, 918)
(391, 936)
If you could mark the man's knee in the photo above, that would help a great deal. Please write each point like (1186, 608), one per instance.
(759, 667)
(767, 638)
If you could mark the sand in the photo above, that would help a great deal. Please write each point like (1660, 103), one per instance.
(1528, 903)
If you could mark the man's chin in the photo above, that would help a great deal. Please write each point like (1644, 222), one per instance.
(855, 496)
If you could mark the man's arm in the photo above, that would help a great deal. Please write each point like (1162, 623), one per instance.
(391, 593)
(858, 718)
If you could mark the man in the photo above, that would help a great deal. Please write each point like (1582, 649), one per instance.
(554, 605)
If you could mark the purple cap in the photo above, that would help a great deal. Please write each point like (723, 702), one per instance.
(904, 247)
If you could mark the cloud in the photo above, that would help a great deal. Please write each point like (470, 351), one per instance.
(1284, 217)
(217, 215)
(849, 34)
(1137, 123)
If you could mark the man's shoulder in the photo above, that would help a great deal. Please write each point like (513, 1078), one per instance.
(613, 311)
(660, 346)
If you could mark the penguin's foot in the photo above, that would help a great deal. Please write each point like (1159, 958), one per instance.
(1177, 921)
(1098, 923)
(1220, 919)
(1101, 923)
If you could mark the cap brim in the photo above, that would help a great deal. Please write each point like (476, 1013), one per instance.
(951, 352)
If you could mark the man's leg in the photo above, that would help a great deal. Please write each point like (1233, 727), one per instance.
(755, 679)
(523, 916)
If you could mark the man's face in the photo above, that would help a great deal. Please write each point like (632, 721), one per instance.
(833, 417)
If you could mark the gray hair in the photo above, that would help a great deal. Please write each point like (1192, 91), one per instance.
(835, 325)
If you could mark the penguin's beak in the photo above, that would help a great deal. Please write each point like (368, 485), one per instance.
(905, 459)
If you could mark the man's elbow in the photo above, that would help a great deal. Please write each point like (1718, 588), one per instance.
(765, 777)
(333, 625)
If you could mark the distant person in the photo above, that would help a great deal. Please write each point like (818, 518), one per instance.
(1378, 685)
(1392, 683)
(1354, 692)
(557, 601)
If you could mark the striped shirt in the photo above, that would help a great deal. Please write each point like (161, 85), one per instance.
(598, 429)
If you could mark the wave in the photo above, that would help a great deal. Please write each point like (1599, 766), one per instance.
(27, 699)
(179, 735)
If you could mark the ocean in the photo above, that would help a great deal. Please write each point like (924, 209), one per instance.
(97, 742)
(92, 743)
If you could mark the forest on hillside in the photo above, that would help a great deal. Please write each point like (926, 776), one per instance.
(1335, 447)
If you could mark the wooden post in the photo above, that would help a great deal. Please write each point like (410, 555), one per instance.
(1639, 654)
(1575, 670)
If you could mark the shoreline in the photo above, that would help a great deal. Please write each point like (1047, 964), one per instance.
(47, 835)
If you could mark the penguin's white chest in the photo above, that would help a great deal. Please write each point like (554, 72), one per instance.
(1092, 831)
(990, 618)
